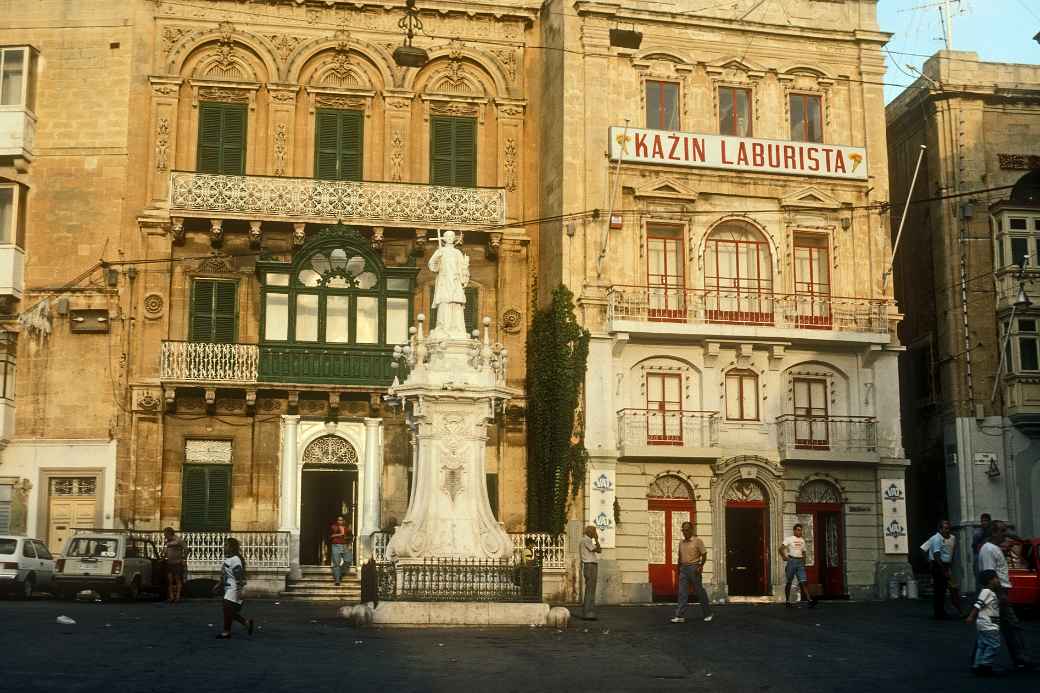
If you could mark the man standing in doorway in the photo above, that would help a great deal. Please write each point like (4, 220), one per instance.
(991, 557)
(341, 541)
(590, 551)
(793, 553)
(940, 552)
(690, 563)
(980, 537)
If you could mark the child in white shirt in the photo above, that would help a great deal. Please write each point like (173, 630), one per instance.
(986, 616)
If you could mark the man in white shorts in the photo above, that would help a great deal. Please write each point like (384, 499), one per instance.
(793, 553)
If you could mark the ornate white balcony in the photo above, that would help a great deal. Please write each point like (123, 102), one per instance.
(842, 438)
(674, 310)
(202, 362)
(17, 133)
(369, 203)
(656, 433)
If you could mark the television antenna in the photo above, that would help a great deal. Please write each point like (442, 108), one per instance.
(945, 16)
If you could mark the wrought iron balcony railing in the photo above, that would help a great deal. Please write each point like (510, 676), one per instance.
(209, 363)
(375, 203)
(738, 307)
(694, 429)
(261, 550)
(550, 550)
(833, 433)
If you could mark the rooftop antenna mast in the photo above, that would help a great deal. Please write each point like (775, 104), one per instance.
(945, 17)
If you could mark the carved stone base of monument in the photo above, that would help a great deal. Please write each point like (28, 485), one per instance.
(452, 399)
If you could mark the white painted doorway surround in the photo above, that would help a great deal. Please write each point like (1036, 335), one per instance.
(366, 437)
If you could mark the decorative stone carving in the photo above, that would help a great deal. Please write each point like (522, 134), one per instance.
(744, 490)
(177, 229)
(281, 140)
(341, 102)
(669, 486)
(153, 306)
(512, 321)
(510, 158)
(162, 144)
(330, 450)
(148, 402)
(299, 234)
(218, 264)
(494, 242)
(509, 61)
(396, 155)
(256, 234)
(207, 451)
(222, 94)
(511, 110)
(449, 298)
(1018, 162)
(819, 491)
(282, 95)
(377, 237)
(172, 35)
(454, 108)
(216, 231)
(283, 43)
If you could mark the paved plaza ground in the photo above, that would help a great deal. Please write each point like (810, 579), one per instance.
(119, 646)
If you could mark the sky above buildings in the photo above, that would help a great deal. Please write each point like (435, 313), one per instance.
(998, 30)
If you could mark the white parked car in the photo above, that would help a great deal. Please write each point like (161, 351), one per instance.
(109, 562)
(26, 566)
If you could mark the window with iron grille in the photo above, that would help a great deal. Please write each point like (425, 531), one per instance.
(73, 486)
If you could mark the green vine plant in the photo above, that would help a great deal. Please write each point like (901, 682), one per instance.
(557, 357)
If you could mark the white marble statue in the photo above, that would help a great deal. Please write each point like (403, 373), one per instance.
(449, 293)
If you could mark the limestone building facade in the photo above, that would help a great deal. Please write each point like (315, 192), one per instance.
(263, 186)
(743, 364)
(967, 261)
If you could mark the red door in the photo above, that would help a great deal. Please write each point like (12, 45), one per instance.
(827, 572)
(666, 516)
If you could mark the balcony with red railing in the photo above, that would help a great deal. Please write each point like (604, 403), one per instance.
(669, 433)
(821, 317)
(825, 437)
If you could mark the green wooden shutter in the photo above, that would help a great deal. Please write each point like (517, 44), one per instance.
(206, 498)
(222, 138)
(208, 154)
(326, 146)
(472, 309)
(465, 145)
(213, 311)
(441, 151)
(233, 140)
(201, 322)
(193, 498)
(338, 145)
(218, 497)
(351, 143)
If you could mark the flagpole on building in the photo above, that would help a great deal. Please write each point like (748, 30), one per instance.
(899, 234)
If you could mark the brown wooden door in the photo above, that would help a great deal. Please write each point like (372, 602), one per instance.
(666, 516)
(747, 558)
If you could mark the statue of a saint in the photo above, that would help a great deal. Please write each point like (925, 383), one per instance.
(449, 293)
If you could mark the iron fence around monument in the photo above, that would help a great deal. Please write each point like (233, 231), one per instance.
(461, 580)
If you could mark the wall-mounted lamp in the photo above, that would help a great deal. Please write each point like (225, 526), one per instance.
(967, 210)
(846, 223)
(112, 277)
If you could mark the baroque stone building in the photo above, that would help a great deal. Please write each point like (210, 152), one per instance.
(971, 375)
(743, 357)
(225, 211)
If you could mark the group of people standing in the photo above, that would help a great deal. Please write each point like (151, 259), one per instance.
(991, 611)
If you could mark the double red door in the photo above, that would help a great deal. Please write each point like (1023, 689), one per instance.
(666, 516)
(827, 572)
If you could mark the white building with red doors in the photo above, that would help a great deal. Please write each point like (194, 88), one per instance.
(743, 364)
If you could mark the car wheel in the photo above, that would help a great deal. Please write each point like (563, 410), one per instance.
(28, 586)
(134, 590)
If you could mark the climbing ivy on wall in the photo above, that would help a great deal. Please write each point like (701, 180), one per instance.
(557, 356)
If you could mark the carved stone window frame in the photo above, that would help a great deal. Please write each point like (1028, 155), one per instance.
(816, 372)
(822, 89)
(342, 99)
(751, 82)
(226, 92)
(455, 106)
(680, 75)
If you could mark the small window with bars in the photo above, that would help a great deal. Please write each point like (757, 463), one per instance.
(73, 486)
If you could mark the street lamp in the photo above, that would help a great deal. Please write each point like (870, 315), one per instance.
(409, 55)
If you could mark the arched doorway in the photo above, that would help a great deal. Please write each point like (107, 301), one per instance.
(669, 504)
(747, 539)
(819, 511)
(328, 487)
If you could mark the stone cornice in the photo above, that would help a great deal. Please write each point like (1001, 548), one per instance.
(526, 10)
(615, 11)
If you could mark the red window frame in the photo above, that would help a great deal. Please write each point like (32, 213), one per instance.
(733, 126)
(662, 115)
(812, 297)
(741, 375)
(806, 135)
(752, 297)
(664, 417)
(811, 431)
(667, 288)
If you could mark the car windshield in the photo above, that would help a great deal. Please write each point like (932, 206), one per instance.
(7, 546)
(93, 548)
